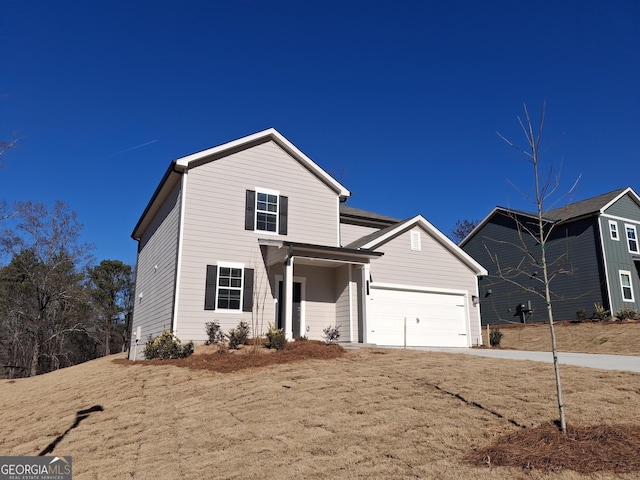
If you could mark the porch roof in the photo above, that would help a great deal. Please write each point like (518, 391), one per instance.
(280, 251)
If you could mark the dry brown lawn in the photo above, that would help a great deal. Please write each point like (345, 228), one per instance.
(618, 338)
(367, 413)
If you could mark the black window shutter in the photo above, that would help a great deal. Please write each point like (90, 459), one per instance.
(247, 296)
(249, 210)
(210, 288)
(284, 211)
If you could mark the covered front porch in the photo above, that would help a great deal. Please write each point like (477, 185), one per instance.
(316, 286)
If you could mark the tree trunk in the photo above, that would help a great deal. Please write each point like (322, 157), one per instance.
(34, 359)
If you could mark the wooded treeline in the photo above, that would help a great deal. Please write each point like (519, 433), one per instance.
(57, 306)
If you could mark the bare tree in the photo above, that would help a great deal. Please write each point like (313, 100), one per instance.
(42, 293)
(462, 228)
(540, 231)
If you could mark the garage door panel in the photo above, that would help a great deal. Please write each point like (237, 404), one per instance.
(432, 319)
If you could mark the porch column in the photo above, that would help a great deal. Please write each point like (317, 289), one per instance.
(288, 299)
(364, 291)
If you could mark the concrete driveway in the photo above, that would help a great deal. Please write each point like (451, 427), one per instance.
(591, 360)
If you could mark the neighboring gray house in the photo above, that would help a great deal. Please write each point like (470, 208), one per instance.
(594, 243)
(254, 230)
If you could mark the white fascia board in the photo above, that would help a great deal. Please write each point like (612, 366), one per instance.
(273, 134)
(437, 235)
(629, 190)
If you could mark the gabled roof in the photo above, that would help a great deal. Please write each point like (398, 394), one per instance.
(355, 215)
(179, 166)
(589, 206)
(379, 238)
(573, 211)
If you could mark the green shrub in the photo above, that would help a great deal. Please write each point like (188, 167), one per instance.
(581, 315)
(167, 345)
(303, 338)
(276, 337)
(239, 335)
(214, 332)
(331, 334)
(626, 313)
(495, 337)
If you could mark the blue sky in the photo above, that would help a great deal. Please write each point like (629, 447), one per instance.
(400, 101)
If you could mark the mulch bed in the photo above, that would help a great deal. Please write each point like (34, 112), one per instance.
(610, 448)
(233, 361)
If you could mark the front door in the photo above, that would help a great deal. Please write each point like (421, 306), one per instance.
(297, 299)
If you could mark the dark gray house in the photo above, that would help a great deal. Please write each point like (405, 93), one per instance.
(593, 254)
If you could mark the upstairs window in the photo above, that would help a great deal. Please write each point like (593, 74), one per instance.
(613, 230)
(266, 211)
(627, 287)
(632, 238)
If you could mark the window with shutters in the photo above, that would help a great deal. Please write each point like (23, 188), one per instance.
(266, 211)
(229, 287)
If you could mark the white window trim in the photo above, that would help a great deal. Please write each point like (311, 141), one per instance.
(623, 286)
(221, 265)
(266, 191)
(416, 241)
(635, 234)
(613, 229)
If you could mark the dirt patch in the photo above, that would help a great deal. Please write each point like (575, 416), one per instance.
(587, 450)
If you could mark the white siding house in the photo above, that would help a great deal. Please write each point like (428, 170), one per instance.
(254, 230)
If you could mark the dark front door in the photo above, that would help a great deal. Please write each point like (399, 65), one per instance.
(297, 298)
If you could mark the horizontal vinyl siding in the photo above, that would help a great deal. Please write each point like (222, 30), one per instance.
(350, 233)
(214, 227)
(153, 312)
(432, 267)
(320, 298)
(342, 302)
(625, 208)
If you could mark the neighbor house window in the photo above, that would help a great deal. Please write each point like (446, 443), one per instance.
(627, 287)
(632, 238)
(229, 287)
(266, 211)
(613, 229)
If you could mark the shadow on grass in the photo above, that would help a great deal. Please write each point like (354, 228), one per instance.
(80, 415)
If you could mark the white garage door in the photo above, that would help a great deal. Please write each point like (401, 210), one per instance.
(432, 319)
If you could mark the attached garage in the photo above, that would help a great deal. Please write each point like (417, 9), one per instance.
(434, 319)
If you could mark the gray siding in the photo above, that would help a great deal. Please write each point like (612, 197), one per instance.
(617, 254)
(156, 271)
(342, 302)
(433, 266)
(320, 300)
(573, 249)
(214, 227)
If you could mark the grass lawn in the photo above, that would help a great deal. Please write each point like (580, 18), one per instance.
(369, 413)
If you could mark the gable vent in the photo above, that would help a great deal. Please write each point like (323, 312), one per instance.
(415, 241)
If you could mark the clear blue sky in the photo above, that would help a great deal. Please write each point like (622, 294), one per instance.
(399, 100)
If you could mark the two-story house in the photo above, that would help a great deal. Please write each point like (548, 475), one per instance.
(593, 254)
(253, 230)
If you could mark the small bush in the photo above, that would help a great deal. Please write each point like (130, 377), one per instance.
(495, 337)
(303, 338)
(276, 337)
(331, 334)
(238, 336)
(601, 313)
(166, 345)
(214, 332)
(626, 313)
(581, 315)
